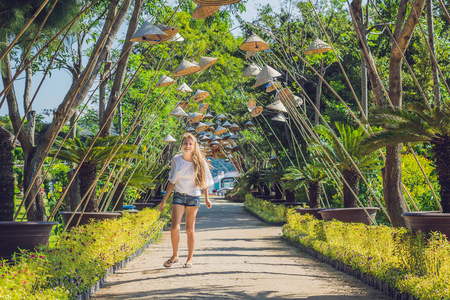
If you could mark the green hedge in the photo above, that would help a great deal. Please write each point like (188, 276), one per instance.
(413, 263)
(79, 258)
(265, 210)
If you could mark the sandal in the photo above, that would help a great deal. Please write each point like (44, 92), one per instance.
(187, 265)
(169, 263)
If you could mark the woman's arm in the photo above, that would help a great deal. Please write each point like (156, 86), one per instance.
(208, 203)
(169, 191)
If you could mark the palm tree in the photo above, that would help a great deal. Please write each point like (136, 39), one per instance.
(6, 175)
(417, 123)
(273, 176)
(74, 150)
(351, 140)
(310, 175)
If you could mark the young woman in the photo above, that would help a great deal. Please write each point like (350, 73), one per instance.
(189, 175)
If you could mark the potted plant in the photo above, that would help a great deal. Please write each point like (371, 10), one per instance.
(311, 176)
(73, 151)
(367, 162)
(418, 123)
(15, 235)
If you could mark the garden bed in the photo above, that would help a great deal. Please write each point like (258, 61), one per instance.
(265, 210)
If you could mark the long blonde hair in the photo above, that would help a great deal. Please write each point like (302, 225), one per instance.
(199, 161)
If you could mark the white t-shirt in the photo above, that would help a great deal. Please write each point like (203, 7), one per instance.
(182, 174)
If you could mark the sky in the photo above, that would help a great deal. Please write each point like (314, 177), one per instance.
(56, 86)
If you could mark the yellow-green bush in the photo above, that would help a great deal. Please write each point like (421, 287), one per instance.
(265, 209)
(79, 258)
(414, 263)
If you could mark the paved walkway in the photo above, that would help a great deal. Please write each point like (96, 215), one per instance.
(237, 257)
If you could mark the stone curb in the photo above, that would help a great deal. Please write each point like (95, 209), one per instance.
(364, 277)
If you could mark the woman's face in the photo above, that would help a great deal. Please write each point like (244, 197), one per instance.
(188, 145)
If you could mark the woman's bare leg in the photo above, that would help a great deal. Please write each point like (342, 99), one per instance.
(191, 214)
(177, 215)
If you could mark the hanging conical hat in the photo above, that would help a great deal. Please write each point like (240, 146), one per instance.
(273, 158)
(202, 12)
(178, 112)
(279, 118)
(148, 33)
(183, 88)
(201, 126)
(278, 106)
(206, 62)
(164, 81)
(220, 130)
(218, 122)
(261, 82)
(256, 111)
(168, 30)
(190, 129)
(212, 128)
(209, 116)
(185, 68)
(169, 139)
(284, 95)
(221, 117)
(236, 148)
(251, 70)
(196, 117)
(183, 104)
(215, 2)
(204, 138)
(298, 101)
(176, 38)
(226, 136)
(200, 95)
(317, 46)
(273, 86)
(249, 124)
(228, 148)
(267, 73)
(203, 107)
(201, 132)
(234, 127)
(249, 54)
(234, 137)
(226, 124)
(217, 138)
(251, 104)
(254, 43)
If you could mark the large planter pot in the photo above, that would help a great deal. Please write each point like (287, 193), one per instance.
(141, 206)
(86, 217)
(312, 211)
(428, 221)
(349, 215)
(23, 235)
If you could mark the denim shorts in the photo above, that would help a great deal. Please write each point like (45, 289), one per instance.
(185, 199)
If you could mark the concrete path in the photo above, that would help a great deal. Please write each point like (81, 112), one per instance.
(237, 257)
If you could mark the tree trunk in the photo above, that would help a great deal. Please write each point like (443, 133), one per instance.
(441, 150)
(74, 192)
(31, 115)
(290, 196)
(87, 173)
(6, 175)
(37, 210)
(278, 193)
(266, 190)
(119, 78)
(434, 70)
(318, 94)
(118, 197)
(314, 192)
(352, 178)
(364, 100)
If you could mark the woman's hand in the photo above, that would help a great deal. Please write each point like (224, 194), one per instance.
(161, 205)
(208, 203)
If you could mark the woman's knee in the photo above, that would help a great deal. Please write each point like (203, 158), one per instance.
(190, 230)
(175, 228)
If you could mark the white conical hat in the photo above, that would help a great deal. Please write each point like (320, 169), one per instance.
(234, 137)
(249, 124)
(168, 30)
(256, 111)
(185, 68)
(203, 107)
(200, 95)
(236, 148)
(278, 106)
(249, 54)
(176, 38)
(273, 158)
(317, 46)
(183, 104)
(226, 124)
(221, 117)
(251, 70)
(279, 118)
(234, 127)
(215, 2)
(148, 33)
(208, 116)
(164, 81)
(203, 11)
(251, 104)
(254, 43)
(267, 73)
(261, 82)
(169, 139)
(273, 86)
(206, 62)
(190, 129)
(183, 88)
(178, 112)
(298, 101)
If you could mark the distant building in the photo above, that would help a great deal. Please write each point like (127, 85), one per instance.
(224, 181)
